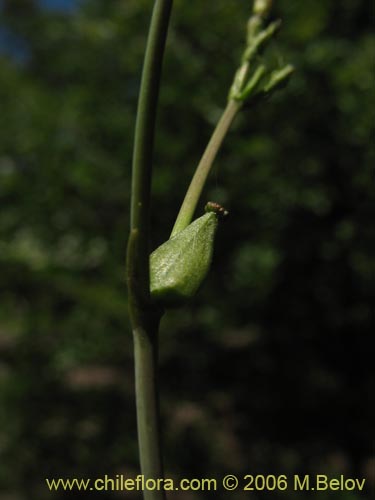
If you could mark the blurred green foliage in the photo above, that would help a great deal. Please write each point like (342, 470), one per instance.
(268, 370)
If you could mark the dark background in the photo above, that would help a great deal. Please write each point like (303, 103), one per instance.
(268, 370)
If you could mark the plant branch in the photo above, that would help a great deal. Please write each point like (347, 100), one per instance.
(143, 146)
(194, 191)
(252, 81)
(146, 386)
(144, 316)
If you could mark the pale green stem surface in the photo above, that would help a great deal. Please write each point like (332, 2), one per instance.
(189, 204)
(146, 384)
(144, 317)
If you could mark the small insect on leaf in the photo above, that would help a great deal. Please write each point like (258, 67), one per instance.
(179, 266)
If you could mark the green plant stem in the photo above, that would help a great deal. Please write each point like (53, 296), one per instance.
(144, 317)
(146, 384)
(144, 138)
(189, 204)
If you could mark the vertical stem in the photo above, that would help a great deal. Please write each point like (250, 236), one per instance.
(189, 204)
(146, 384)
(144, 139)
(144, 317)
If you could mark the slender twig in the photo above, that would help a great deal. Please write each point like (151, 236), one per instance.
(146, 384)
(246, 85)
(144, 138)
(189, 204)
(145, 317)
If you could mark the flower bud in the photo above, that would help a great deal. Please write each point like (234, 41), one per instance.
(262, 7)
(179, 266)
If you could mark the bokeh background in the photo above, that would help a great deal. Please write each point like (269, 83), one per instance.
(269, 369)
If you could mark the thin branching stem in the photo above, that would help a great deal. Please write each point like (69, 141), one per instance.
(144, 317)
(189, 204)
